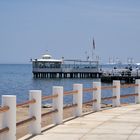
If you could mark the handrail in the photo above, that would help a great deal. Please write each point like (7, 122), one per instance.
(50, 112)
(34, 101)
(70, 92)
(91, 101)
(128, 85)
(69, 106)
(3, 130)
(107, 87)
(26, 121)
(108, 98)
(128, 95)
(26, 103)
(89, 89)
(4, 109)
(49, 97)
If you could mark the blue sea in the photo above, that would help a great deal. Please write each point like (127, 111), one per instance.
(17, 79)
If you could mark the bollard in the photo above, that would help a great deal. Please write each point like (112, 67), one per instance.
(116, 92)
(58, 104)
(35, 110)
(97, 96)
(78, 99)
(9, 117)
(137, 90)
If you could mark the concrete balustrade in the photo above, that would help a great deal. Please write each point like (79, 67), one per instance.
(58, 104)
(97, 96)
(9, 116)
(116, 92)
(78, 99)
(35, 111)
(137, 90)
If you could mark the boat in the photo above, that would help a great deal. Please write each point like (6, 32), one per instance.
(48, 67)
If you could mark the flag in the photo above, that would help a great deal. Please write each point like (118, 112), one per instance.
(93, 44)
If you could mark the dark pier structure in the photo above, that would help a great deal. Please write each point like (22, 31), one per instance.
(123, 79)
(67, 74)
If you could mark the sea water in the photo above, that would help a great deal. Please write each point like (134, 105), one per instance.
(17, 79)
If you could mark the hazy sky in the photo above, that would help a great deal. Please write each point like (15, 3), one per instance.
(66, 28)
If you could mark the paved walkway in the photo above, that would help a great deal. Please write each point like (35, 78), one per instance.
(122, 123)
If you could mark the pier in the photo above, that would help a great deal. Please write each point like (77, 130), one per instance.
(95, 74)
(126, 74)
(123, 79)
(109, 119)
(46, 67)
(68, 71)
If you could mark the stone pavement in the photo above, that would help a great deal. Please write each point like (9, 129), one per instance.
(121, 123)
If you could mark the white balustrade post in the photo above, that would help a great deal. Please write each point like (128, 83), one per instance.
(35, 110)
(116, 92)
(97, 96)
(137, 90)
(78, 99)
(9, 117)
(58, 104)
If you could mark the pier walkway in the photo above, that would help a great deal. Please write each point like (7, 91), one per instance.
(120, 123)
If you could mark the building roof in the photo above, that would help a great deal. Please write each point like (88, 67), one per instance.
(47, 58)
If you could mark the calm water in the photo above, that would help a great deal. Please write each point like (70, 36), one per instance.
(16, 79)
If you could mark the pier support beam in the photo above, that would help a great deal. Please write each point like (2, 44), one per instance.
(116, 92)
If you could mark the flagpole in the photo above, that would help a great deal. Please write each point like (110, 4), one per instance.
(92, 54)
(93, 48)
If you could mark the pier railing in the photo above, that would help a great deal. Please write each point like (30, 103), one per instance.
(8, 109)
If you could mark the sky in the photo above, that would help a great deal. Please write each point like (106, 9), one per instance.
(66, 28)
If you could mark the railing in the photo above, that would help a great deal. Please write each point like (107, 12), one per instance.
(8, 109)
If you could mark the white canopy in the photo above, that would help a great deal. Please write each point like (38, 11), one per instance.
(47, 58)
